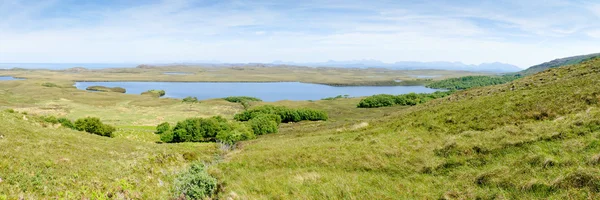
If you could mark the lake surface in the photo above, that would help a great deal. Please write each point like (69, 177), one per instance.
(9, 78)
(273, 91)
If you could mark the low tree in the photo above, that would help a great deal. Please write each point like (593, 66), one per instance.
(164, 127)
(95, 126)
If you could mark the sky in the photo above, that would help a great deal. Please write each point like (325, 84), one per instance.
(523, 33)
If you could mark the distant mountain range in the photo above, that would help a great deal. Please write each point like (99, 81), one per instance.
(485, 67)
(495, 67)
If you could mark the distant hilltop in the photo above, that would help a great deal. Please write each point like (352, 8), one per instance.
(408, 65)
(558, 63)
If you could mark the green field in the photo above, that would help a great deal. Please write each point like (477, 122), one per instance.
(537, 137)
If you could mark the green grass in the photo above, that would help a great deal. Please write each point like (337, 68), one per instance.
(38, 162)
(534, 138)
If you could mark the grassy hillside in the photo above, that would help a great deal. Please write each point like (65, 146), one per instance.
(557, 63)
(41, 161)
(466, 82)
(535, 138)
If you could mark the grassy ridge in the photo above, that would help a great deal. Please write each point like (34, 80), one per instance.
(467, 82)
(558, 63)
(535, 138)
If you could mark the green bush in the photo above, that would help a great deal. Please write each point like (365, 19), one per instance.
(238, 132)
(155, 93)
(411, 99)
(263, 124)
(311, 115)
(467, 82)
(50, 119)
(240, 99)
(286, 114)
(95, 126)
(9, 110)
(190, 100)
(164, 127)
(167, 136)
(376, 101)
(64, 122)
(198, 129)
(195, 183)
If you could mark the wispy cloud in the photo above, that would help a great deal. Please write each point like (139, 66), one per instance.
(518, 32)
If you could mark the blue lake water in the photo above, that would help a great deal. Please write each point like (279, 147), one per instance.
(274, 91)
(9, 78)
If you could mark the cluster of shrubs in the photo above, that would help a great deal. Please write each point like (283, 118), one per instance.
(190, 100)
(286, 114)
(89, 124)
(466, 82)
(155, 93)
(204, 130)
(106, 89)
(258, 121)
(384, 100)
(240, 99)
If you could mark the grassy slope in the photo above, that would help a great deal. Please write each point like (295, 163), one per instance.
(537, 137)
(42, 161)
(533, 138)
(557, 63)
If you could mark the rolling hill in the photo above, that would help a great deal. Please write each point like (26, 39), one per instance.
(535, 138)
(558, 63)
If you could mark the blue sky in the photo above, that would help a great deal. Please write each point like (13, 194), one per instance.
(518, 32)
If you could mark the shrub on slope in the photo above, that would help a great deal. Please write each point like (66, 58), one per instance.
(95, 126)
(466, 82)
(286, 114)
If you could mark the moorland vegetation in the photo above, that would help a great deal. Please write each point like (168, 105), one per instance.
(536, 137)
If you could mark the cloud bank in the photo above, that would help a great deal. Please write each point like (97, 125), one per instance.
(517, 32)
